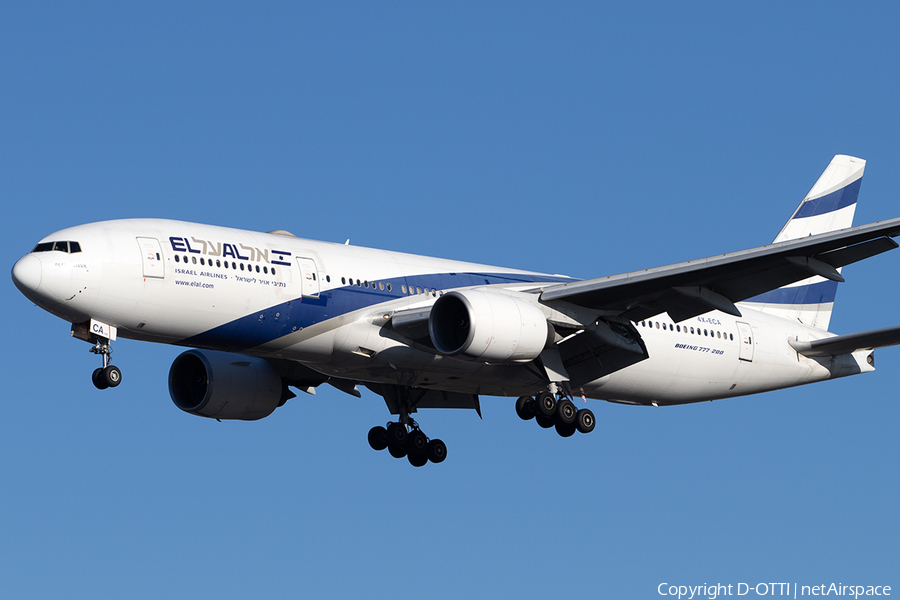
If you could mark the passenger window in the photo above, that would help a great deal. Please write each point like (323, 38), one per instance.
(678, 328)
(418, 290)
(380, 285)
(202, 262)
(177, 259)
(403, 288)
(389, 287)
(219, 264)
(692, 330)
(273, 270)
(731, 336)
(718, 334)
(328, 279)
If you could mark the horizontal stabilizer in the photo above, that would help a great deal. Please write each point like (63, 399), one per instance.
(845, 344)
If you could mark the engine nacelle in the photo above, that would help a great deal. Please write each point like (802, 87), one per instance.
(486, 326)
(223, 385)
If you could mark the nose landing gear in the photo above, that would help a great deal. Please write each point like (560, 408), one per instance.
(108, 375)
(101, 336)
(561, 414)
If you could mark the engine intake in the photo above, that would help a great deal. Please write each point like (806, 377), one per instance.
(494, 328)
(223, 385)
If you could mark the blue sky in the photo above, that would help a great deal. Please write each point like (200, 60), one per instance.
(578, 138)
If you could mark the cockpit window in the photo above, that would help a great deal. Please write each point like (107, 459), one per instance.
(67, 247)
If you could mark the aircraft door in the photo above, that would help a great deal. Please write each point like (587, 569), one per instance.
(309, 278)
(746, 340)
(151, 257)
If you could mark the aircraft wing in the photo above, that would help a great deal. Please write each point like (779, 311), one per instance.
(688, 289)
(844, 344)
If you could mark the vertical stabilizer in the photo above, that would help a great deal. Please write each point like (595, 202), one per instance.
(828, 206)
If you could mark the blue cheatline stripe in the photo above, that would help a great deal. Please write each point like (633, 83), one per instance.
(836, 200)
(814, 293)
(266, 325)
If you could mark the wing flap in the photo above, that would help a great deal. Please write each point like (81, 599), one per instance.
(725, 279)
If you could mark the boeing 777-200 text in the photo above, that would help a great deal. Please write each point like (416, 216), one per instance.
(266, 312)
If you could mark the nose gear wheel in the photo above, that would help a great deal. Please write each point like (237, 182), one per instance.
(109, 375)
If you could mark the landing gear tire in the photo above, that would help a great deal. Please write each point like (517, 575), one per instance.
(565, 412)
(546, 404)
(397, 452)
(99, 380)
(525, 407)
(545, 422)
(397, 434)
(417, 460)
(565, 430)
(436, 451)
(416, 444)
(378, 438)
(585, 421)
(112, 376)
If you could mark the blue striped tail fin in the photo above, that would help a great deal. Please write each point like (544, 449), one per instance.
(828, 206)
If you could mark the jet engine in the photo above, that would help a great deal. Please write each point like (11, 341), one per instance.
(490, 327)
(222, 385)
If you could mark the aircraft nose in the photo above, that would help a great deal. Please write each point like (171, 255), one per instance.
(26, 274)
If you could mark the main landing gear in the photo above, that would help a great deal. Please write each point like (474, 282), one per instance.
(402, 440)
(108, 375)
(550, 412)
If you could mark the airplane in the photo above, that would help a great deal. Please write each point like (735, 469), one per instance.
(266, 312)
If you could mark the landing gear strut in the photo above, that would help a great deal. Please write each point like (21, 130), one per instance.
(108, 375)
(404, 438)
(560, 413)
(407, 440)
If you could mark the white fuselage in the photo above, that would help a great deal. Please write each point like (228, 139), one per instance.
(324, 305)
